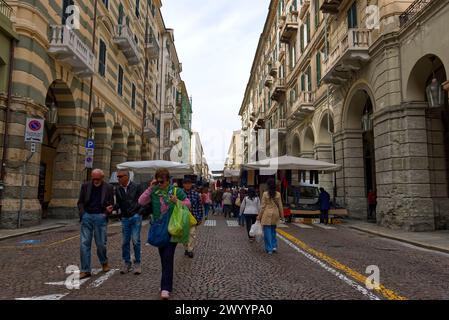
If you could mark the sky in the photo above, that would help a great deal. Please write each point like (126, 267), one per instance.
(216, 41)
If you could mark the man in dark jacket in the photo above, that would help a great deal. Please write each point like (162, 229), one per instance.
(325, 205)
(127, 197)
(95, 203)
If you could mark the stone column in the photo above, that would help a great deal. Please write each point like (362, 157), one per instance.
(68, 172)
(102, 157)
(402, 162)
(351, 179)
(324, 153)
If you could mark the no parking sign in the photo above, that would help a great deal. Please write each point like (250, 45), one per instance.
(89, 160)
(34, 130)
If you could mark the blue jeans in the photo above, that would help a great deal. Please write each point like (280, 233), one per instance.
(93, 226)
(131, 231)
(206, 209)
(269, 235)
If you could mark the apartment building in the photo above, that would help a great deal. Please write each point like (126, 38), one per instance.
(364, 84)
(110, 76)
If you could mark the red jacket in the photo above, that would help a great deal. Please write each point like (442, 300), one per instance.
(372, 199)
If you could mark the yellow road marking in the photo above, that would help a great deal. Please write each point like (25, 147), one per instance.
(389, 294)
(39, 246)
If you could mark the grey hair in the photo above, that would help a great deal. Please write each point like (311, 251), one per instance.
(126, 171)
(101, 172)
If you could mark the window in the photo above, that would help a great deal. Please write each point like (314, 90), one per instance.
(317, 13)
(65, 5)
(138, 8)
(303, 82)
(352, 16)
(308, 27)
(106, 3)
(120, 81)
(309, 78)
(133, 97)
(121, 14)
(102, 59)
(318, 68)
(301, 35)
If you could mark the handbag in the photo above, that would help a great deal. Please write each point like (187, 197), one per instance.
(238, 202)
(158, 235)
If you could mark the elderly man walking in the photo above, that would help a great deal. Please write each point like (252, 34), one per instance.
(95, 203)
(127, 196)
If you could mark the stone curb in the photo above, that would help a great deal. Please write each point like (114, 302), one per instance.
(26, 232)
(415, 243)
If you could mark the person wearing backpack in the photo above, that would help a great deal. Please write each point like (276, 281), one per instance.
(250, 208)
(270, 214)
(164, 197)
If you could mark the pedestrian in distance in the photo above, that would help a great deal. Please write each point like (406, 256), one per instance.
(95, 204)
(372, 204)
(164, 197)
(325, 205)
(127, 196)
(271, 213)
(196, 208)
(227, 203)
(249, 209)
(206, 199)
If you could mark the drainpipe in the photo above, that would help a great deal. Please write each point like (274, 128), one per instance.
(160, 96)
(6, 128)
(89, 121)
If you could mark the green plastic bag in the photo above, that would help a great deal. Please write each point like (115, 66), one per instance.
(179, 225)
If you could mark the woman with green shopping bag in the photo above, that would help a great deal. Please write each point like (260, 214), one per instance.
(164, 198)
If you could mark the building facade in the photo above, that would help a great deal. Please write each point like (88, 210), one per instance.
(102, 76)
(361, 83)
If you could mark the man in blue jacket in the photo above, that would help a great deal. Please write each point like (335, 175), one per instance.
(324, 201)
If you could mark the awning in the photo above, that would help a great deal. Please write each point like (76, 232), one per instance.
(228, 173)
(150, 167)
(292, 163)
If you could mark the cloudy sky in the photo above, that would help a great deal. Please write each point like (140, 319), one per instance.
(216, 41)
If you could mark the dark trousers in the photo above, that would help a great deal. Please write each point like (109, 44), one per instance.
(372, 211)
(250, 220)
(324, 216)
(227, 208)
(167, 255)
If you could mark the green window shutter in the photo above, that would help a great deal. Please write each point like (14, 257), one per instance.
(301, 35)
(309, 78)
(317, 13)
(318, 68)
(295, 5)
(308, 27)
(303, 82)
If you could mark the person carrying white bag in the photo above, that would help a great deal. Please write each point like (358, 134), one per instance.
(250, 208)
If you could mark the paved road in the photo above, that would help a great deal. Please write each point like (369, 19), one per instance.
(312, 263)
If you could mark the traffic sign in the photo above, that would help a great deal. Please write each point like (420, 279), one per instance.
(89, 162)
(90, 144)
(34, 130)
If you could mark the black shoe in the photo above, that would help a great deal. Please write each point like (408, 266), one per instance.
(190, 254)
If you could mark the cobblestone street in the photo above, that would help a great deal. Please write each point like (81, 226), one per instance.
(313, 262)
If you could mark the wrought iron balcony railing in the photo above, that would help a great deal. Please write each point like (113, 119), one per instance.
(412, 11)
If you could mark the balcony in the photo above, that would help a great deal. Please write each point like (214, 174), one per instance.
(281, 124)
(150, 128)
(152, 48)
(279, 90)
(412, 12)
(333, 7)
(5, 9)
(350, 54)
(289, 28)
(303, 106)
(305, 4)
(269, 81)
(123, 38)
(68, 48)
(169, 108)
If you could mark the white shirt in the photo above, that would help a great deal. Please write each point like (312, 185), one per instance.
(249, 206)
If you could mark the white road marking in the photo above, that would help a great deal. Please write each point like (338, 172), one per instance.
(339, 275)
(232, 223)
(48, 297)
(303, 226)
(62, 283)
(102, 279)
(282, 225)
(210, 223)
(322, 226)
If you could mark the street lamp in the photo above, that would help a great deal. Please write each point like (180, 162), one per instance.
(434, 91)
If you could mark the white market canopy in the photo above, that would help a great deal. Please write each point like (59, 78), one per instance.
(292, 163)
(228, 173)
(150, 167)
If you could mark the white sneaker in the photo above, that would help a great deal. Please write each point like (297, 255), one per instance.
(165, 295)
